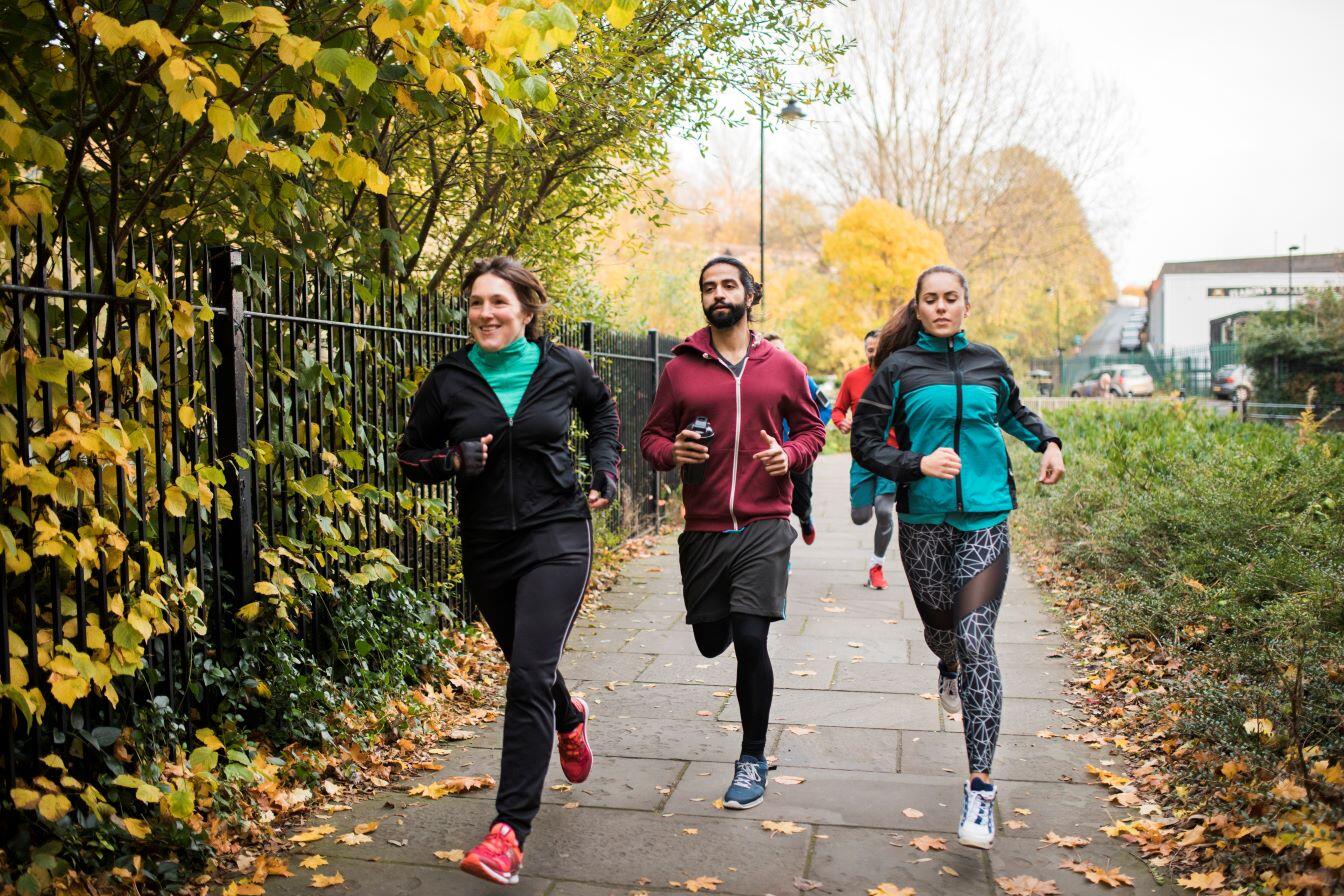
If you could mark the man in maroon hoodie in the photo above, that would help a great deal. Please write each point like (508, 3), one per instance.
(735, 551)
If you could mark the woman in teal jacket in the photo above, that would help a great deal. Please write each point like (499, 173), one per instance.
(949, 402)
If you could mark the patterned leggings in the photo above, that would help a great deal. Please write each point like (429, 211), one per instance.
(958, 579)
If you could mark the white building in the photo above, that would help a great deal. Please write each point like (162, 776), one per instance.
(1200, 302)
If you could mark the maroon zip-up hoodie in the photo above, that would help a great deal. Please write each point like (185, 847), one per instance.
(772, 388)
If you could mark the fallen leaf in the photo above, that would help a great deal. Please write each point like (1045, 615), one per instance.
(705, 714)
(802, 883)
(457, 784)
(367, 827)
(912, 813)
(787, 779)
(1054, 839)
(892, 621)
(949, 871)
(718, 804)
(1289, 791)
(1022, 811)
(782, 827)
(308, 835)
(801, 730)
(573, 805)
(834, 609)
(245, 889)
(925, 843)
(313, 862)
(1024, 885)
(1201, 880)
(1046, 733)
(690, 832)
(562, 788)
(1263, 727)
(697, 884)
(1111, 877)
(450, 855)
(855, 643)
(353, 839)
(803, 673)
(891, 890)
(1014, 825)
(723, 693)
(322, 881)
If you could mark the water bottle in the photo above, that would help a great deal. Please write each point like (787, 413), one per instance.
(694, 474)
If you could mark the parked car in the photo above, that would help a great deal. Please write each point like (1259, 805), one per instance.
(1130, 341)
(1233, 382)
(1127, 381)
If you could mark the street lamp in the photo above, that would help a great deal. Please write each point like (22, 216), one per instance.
(1291, 250)
(791, 112)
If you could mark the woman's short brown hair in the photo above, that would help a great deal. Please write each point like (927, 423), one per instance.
(531, 294)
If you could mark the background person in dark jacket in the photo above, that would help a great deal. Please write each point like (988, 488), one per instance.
(949, 401)
(734, 554)
(494, 416)
(802, 479)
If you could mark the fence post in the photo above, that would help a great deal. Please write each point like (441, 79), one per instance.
(653, 388)
(586, 331)
(237, 547)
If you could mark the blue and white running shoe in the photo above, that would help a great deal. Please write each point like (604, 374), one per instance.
(748, 787)
(977, 815)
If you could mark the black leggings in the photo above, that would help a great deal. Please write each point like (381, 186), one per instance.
(957, 578)
(801, 504)
(755, 676)
(883, 507)
(528, 586)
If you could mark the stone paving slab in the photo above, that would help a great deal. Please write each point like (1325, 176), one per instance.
(859, 733)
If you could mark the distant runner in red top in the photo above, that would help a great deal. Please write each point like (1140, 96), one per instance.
(869, 494)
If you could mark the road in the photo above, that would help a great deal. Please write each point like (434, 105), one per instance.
(1105, 339)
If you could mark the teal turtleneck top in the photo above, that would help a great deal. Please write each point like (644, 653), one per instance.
(508, 371)
(966, 522)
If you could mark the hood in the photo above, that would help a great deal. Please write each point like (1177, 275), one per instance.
(701, 343)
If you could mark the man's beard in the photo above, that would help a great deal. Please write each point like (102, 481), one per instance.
(725, 316)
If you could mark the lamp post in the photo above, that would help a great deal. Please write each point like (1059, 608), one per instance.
(1059, 336)
(791, 112)
(1291, 250)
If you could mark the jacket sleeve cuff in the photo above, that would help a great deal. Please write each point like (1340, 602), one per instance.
(1040, 449)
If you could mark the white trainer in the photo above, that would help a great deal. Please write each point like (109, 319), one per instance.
(977, 817)
(948, 697)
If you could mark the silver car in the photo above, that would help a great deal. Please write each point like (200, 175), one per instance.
(1126, 381)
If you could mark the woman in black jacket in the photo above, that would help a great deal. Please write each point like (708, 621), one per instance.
(494, 416)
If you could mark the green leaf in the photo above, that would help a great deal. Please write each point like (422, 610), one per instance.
(536, 88)
(362, 73)
(203, 759)
(331, 63)
(230, 13)
(181, 803)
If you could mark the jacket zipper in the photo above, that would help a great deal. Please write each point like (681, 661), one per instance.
(737, 430)
(956, 425)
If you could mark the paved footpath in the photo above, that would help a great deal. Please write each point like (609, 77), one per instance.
(850, 718)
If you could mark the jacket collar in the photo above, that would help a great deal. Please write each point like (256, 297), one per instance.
(938, 344)
(458, 356)
(700, 343)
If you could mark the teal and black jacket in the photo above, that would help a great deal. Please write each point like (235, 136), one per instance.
(945, 393)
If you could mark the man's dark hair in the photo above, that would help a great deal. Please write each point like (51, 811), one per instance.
(870, 334)
(753, 289)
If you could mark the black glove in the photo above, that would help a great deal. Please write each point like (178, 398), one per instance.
(468, 458)
(606, 486)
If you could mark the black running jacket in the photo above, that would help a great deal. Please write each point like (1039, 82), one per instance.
(529, 477)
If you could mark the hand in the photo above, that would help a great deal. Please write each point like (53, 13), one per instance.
(688, 450)
(1052, 465)
(844, 424)
(775, 459)
(603, 491)
(941, 464)
(469, 457)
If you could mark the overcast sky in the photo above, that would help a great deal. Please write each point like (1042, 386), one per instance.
(1239, 122)
(1238, 125)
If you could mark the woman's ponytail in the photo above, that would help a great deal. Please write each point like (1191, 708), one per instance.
(900, 331)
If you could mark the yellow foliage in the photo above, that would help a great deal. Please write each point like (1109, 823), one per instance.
(878, 249)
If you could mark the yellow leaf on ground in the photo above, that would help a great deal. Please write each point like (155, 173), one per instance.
(782, 827)
(695, 885)
(1289, 790)
(1201, 880)
(458, 784)
(308, 835)
(1024, 885)
(1067, 842)
(912, 813)
(367, 827)
(136, 828)
(1258, 726)
(1022, 811)
(787, 780)
(353, 839)
(926, 843)
(313, 862)
(801, 730)
(891, 890)
(690, 832)
(949, 871)
(322, 881)
(450, 855)
(246, 889)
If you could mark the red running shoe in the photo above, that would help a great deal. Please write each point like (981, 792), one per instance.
(876, 580)
(497, 858)
(809, 531)
(576, 757)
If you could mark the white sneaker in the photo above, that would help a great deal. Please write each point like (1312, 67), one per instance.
(948, 697)
(977, 817)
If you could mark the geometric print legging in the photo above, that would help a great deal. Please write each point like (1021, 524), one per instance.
(958, 579)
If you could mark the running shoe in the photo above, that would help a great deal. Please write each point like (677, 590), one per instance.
(576, 757)
(497, 858)
(977, 815)
(876, 580)
(809, 530)
(948, 697)
(748, 787)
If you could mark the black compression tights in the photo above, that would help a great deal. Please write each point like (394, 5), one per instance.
(957, 579)
(755, 676)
